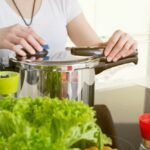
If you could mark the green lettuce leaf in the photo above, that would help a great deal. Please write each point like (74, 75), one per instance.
(48, 124)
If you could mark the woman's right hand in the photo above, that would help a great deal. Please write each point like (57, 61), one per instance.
(25, 37)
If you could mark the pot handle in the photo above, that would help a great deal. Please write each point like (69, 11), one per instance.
(98, 52)
(104, 65)
(87, 51)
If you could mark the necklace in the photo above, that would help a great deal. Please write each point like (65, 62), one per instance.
(32, 15)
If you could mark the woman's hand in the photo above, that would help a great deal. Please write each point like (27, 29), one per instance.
(25, 37)
(120, 45)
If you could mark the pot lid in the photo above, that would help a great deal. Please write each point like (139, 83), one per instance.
(79, 58)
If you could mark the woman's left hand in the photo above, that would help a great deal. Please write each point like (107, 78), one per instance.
(120, 45)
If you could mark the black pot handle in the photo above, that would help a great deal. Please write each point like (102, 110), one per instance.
(98, 52)
(87, 51)
(38, 54)
(104, 65)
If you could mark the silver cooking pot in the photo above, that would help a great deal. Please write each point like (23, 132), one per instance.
(64, 74)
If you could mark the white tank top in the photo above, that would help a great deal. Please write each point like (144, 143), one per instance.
(49, 22)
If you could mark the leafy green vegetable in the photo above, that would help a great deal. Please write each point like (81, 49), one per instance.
(51, 83)
(48, 124)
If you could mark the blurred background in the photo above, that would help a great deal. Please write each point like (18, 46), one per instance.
(126, 89)
(131, 16)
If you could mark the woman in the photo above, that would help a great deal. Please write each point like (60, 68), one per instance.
(32, 23)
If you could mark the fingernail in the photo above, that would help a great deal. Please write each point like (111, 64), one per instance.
(124, 56)
(106, 53)
(33, 52)
(23, 53)
(109, 59)
(115, 60)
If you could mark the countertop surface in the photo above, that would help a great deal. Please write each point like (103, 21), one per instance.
(125, 105)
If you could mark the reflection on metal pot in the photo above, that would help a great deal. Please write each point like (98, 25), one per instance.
(63, 74)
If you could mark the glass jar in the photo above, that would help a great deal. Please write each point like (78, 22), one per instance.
(145, 145)
(144, 121)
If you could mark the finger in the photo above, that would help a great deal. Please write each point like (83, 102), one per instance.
(131, 45)
(117, 58)
(30, 35)
(20, 41)
(40, 59)
(124, 50)
(30, 39)
(26, 46)
(118, 47)
(14, 48)
(112, 42)
(34, 43)
(37, 37)
(22, 31)
(132, 50)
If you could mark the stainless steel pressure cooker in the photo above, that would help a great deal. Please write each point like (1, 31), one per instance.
(64, 74)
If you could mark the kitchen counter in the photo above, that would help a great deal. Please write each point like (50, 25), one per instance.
(126, 104)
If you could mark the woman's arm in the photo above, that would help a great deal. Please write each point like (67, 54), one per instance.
(81, 33)
(119, 45)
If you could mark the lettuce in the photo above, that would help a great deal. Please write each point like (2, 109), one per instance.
(48, 124)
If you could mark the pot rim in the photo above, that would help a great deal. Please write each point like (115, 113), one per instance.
(61, 66)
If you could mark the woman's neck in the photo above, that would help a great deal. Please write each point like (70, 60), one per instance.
(25, 6)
